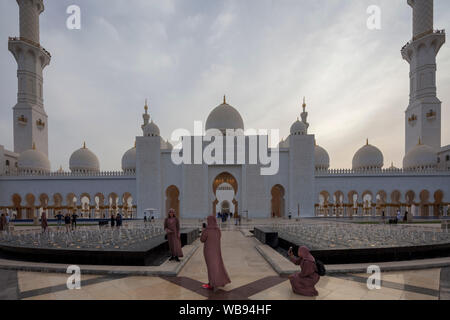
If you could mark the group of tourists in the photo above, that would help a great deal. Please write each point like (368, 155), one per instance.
(116, 220)
(302, 283)
(70, 221)
(227, 215)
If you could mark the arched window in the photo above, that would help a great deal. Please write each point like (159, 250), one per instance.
(7, 163)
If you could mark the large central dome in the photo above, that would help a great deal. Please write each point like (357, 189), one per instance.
(224, 117)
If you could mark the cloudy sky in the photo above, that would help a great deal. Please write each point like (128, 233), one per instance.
(184, 55)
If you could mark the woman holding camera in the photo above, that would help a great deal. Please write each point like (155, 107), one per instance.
(303, 282)
(217, 274)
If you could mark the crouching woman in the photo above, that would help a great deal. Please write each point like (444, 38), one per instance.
(303, 283)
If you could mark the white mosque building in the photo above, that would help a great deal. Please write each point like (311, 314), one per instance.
(303, 186)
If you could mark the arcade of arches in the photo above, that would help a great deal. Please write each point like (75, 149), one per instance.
(368, 203)
(87, 206)
(338, 204)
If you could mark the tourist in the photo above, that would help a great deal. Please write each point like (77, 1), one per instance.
(172, 228)
(236, 218)
(113, 220)
(7, 221)
(67, 222)
(44, 222)
(217, 274)
(59, 218)
(118, 220)
(74, 220)
(399, 216)
(303, 282)
(405, 217)
(2, 222)
(145, 218)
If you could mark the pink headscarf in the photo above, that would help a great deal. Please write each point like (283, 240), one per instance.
(212, 223)
(304, 253)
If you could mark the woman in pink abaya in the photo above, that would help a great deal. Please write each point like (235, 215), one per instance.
(217, 274)
(172, 228)
(303, 282)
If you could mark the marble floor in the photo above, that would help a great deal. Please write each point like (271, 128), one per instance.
(252, 278)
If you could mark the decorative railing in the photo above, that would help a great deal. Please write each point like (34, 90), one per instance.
(73, 174)
(442, 31)
(389, 171)
(30, 42)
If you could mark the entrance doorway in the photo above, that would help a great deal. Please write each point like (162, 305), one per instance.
(173, 200)
(225, 190)
(277, 203)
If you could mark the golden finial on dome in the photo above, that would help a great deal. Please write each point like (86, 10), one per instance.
(224, 99)
(84, 145)
(367, 141)
(146, 106)
(304, 102)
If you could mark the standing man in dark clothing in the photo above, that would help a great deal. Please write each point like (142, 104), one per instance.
(119, 220)
(67, 221)
(74, 220)
(113, 220)
(59, 218)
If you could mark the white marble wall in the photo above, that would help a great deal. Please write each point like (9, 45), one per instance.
(301, 175)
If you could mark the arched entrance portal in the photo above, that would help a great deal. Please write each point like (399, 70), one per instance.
(277, 201)
(173, 200)
(225, 180)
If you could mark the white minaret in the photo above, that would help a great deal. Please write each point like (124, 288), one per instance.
(30, 119)
(423, 116)
(148, 167)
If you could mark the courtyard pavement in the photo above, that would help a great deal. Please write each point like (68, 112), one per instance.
(252, 278)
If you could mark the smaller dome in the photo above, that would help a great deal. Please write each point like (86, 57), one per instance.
(129, 160)
(33, 161)
(322, 159)
(420, 157)
(368, 157)
(151, 130)
(299, 128)
(84, 161)
(284, 143)
(166, 145)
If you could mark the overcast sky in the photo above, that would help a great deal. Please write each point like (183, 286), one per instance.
(184, 55)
